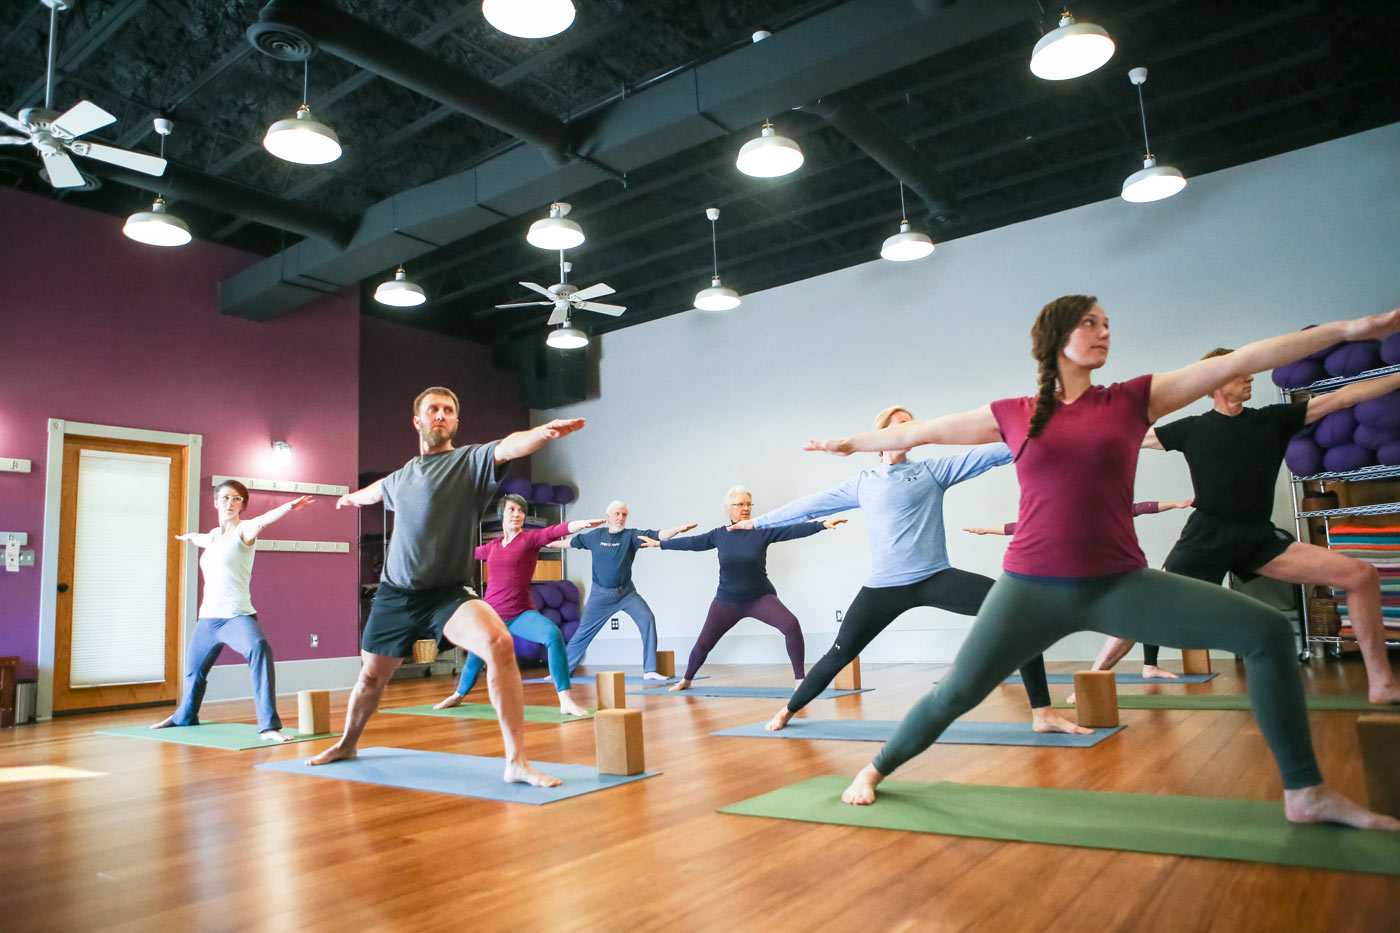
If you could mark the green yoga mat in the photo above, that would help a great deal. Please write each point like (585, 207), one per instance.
(235, 736)
(1207, 827)
(1235, 701)
(486, 711)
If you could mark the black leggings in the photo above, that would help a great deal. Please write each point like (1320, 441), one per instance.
(874, 608)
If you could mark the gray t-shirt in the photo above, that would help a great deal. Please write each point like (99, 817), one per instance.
(437, 501)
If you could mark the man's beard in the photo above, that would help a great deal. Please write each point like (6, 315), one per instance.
(433, 437)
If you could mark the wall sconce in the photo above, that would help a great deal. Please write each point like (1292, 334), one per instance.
(283, 449)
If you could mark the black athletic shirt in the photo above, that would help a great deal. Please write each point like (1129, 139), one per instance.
(1234, 459)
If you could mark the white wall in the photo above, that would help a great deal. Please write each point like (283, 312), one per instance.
(698, 401)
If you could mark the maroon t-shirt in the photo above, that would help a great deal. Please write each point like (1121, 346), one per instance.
(1076, 512)
(509, 569)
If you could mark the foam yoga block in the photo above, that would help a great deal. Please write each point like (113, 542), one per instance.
(848, 678)
(617, 733)
(1096, 699)
(1195, 661)
(314, 711)
(1380, 756)
(612, 690)
(666, 663)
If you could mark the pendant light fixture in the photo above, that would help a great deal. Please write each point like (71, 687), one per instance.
(716, 297)
(906, 245)
(1071, 50)
(529, 19)
(556, 231)
(769, 155)
(566, 337)
(399, 292)
(301, 139)
(157, 226)
(1152, 182)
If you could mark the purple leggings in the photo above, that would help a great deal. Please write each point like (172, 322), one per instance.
(724, 616)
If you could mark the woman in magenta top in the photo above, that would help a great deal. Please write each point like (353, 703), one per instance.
(510, 565)
(1075, 563)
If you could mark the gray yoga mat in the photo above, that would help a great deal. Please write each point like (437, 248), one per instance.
(776, 693)
(588, 679)
(959, 733)
(1124, 679)
(459, 775)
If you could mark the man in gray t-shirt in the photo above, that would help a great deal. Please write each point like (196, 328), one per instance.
(437, 499)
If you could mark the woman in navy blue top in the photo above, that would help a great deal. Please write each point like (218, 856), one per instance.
(744, 588)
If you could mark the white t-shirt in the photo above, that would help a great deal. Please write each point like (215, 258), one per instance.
(227, 564)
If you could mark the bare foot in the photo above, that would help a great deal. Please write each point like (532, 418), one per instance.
(169, 721)
(454, 700)
(1070, 699)
(1321, 804)
(274, 735)
(862, 789)
(522, 772)
(652, 675)
(337, 752)
(683, 685)
(1045, 719)
(568, 707)
(780, 719)
(1152, 670)
(1383, 693)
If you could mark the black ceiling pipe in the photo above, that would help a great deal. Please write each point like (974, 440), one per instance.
(233, 198)
(874, 137)
(293, 30)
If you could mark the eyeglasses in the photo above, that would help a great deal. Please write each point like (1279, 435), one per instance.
(229, 499)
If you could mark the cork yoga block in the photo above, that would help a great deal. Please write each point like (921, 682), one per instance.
(848, 678)
(1195, 661)
(314, 711)
(1096, 699)
(618, 736)
(1380, 758)
(612, 690)
(666, 663)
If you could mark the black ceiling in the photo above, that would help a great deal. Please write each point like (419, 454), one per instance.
(1230, 82)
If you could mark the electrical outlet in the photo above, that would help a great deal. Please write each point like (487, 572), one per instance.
(838, 616)
(315, 641)
(615, 623)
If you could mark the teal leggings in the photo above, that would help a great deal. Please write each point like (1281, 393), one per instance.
(530, 625)
(1022, 617)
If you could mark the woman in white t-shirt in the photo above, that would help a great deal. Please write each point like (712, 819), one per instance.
(226, 614)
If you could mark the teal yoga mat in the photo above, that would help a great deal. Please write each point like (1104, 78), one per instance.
(588, 679)
(1235, 701)
(486, 711)
(959, 733)
(234, 736)
(1124, 679)
(459, 775)
(775, 693)
(1206, 827)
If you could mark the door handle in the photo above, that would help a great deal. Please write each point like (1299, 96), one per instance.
(63, 587)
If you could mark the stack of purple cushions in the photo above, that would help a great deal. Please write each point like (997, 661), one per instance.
(559, 601)
(538, 492)
(1350, 439)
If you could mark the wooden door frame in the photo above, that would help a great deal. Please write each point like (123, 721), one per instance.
(53, 493)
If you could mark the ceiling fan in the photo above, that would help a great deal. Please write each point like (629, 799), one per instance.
(567, 298)
(54, 134)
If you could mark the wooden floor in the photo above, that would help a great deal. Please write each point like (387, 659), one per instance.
(151, 835)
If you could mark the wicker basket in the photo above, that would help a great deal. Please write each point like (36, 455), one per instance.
(1323, 618)
(425, 649)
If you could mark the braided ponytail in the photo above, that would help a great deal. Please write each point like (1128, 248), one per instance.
(1049, 334)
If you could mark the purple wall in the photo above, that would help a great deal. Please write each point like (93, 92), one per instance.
(96, 328)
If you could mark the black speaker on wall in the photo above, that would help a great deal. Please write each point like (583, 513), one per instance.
(552, 378)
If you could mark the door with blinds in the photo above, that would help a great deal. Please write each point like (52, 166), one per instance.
(120, 585)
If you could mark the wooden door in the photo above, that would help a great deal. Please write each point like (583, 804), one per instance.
(91, 563)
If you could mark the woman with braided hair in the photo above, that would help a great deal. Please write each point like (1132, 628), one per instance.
(1075, 563)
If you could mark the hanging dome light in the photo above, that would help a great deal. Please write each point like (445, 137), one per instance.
(555, 231)
(769, 155)
(716, 297)
(157, 227)
(529, 19)
(906, 245)
(1152, 182)
(567, 337)
(302, 140)
(1072, 50)
(400, 292)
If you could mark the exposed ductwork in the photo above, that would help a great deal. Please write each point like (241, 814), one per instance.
(874, 137)
(293, 30)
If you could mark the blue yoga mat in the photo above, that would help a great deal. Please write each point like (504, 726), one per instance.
(1123, 679)
(776, 693)
(959, 733)
(630, 678)
(459, 775)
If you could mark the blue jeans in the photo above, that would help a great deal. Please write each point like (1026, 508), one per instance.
(531, 626)
(605, 602)
(241, 633)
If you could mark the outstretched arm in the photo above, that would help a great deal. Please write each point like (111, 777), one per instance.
(969, 427)
(371, 494)
(197, 538)
(583, 524)
(250, 528)
(666, 534)
(1348, 396)
(1178, 388)
(1008, 528)
(1179, 504)
(523, 443)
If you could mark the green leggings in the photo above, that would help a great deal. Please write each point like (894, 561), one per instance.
(1022, 617)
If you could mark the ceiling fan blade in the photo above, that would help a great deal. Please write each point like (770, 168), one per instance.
(594, 291)
(12, 123)
(82, 117)
(541, 289)
(62, 172)
(560, 315)
(525, 304)
(601, 308)
(138, 161)
(13, 140)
